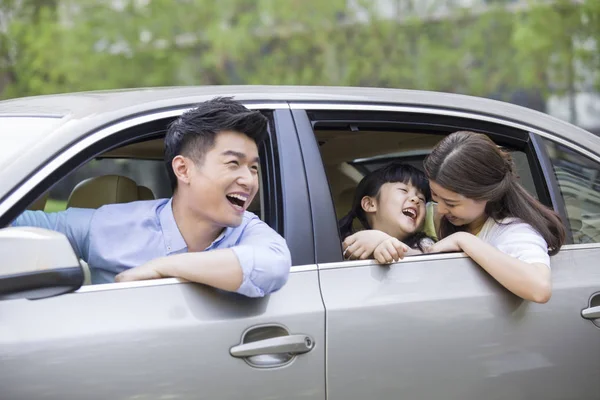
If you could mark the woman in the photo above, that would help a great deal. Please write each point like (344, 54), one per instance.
(389, 203)
(487, 214)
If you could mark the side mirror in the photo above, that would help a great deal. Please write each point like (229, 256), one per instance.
(37, 263)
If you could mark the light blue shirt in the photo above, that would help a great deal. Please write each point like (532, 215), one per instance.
(116, 237)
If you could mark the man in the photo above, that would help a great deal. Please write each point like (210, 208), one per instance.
(203, 233)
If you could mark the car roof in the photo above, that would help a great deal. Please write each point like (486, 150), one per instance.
(115, 104)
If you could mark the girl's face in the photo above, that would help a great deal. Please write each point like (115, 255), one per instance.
(398, 210)
(458, 209)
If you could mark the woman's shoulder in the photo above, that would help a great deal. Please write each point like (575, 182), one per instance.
(509, 227)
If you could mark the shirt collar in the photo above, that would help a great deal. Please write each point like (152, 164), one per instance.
(226, 232)
(174, 242)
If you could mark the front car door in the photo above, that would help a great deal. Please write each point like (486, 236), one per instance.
(165, 338)
(437, 326)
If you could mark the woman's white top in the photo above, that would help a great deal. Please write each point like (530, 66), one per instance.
(517, 239)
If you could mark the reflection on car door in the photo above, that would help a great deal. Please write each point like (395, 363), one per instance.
(161, 340)
(437, 326)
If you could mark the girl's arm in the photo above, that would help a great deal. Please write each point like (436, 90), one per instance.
(530, 281)
(361, 245)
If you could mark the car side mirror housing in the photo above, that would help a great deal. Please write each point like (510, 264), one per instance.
(37, 263)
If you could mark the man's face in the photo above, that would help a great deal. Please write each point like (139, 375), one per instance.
(223, 185)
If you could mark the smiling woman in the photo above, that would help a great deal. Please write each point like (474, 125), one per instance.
(485, 212)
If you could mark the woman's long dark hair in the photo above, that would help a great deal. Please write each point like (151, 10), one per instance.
(371, 184)
(471, 164)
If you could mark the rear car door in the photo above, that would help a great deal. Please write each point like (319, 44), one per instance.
(437, 326)
(167, 339)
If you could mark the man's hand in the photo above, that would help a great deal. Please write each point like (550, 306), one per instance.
(149, 270)
(390, 250)
(361, 245)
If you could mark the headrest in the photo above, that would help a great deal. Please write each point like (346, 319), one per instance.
(98, 191)
(144, 193)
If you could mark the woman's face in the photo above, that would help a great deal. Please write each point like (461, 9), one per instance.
(458, 209)
(398, 210)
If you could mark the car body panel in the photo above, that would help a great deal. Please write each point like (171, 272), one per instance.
(164, 340)
(432, 327)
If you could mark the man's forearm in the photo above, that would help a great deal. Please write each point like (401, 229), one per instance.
(218, 268)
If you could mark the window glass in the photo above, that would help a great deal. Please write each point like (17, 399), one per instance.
(579, 182)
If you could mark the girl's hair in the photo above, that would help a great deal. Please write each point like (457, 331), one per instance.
(470, 164)
(371, 184)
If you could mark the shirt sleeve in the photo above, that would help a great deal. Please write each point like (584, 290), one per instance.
(521, 241)
(74, 223)
(265, 259)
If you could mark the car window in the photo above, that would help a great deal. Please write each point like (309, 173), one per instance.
(348, 156)
(578, 179)
(147, 173)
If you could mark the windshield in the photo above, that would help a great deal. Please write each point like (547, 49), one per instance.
(18, 133)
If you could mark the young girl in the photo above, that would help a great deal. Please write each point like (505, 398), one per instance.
(484, 212)
(390, 205)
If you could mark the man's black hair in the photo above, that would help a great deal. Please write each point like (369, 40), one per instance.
(193, 134)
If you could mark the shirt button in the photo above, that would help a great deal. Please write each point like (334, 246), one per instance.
(168, 248)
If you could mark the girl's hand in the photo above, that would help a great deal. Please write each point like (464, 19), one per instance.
(390, 250)
(448, 244)
(361, 245)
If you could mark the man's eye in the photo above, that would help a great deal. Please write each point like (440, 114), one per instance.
(233, 162)
(403, 190)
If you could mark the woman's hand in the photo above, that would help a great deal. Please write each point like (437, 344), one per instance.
(361, 245)
(448, 244)
(390, 250)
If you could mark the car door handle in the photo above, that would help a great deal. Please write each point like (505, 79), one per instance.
(290, 344)
(591, 313)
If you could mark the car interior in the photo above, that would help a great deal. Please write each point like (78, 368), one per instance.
(96, 191)
(348, 156)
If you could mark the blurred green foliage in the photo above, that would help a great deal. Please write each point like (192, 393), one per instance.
(50, 46)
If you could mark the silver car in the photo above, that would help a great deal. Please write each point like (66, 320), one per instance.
(433, 326)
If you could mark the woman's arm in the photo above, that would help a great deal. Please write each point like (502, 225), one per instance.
(530, 281)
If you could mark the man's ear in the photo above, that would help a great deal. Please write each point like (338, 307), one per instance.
(182, 168)
(368, 204)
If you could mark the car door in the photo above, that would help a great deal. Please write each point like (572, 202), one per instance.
(437, 325)
(167, 339)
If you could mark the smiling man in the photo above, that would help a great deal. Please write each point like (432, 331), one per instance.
(203, 233)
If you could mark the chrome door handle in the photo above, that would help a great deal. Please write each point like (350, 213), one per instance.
(591, 313)
(290, 344)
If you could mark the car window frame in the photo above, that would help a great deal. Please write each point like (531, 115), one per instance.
(441, 119)
(284, 218)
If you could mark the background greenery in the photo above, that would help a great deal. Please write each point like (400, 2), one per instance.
(519, 51)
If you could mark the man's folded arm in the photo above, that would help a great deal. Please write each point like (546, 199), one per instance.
(258, 265)
(264, 258)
